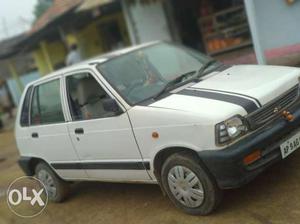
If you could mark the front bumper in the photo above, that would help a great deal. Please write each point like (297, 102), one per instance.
(227, 165)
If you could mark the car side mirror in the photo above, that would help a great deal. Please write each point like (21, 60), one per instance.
(111, 105)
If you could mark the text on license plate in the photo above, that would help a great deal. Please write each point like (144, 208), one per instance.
(290, 145)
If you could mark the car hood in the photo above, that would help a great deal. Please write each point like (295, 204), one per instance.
(239, 89)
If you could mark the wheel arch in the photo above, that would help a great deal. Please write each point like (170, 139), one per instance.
(28, 165)
(163, 154)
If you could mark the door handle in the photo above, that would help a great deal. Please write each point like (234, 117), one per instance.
(35, 135)
(79, 131)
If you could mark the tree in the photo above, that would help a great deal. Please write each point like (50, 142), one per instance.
(41, 7)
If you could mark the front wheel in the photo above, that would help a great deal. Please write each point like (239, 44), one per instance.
(189, 186)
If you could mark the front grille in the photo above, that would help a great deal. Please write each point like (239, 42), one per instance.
(268, 111)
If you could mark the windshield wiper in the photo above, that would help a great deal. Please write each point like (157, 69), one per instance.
(173, 82)
(200, 73)
(204, 67)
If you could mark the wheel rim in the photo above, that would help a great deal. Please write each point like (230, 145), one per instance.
(48, 181)
(186, 186)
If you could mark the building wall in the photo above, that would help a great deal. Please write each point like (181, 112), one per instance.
(40, 61)
(3, 98)
(148, 21)
(25, 79)
(88, 39)
(57, 52)
(277, 23)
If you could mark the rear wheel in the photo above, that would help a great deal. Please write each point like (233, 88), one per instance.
(57, 189)
(189, 186)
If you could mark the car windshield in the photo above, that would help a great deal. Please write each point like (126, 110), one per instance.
(144, 73)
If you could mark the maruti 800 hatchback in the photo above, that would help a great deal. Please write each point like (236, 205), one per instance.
(159, 113)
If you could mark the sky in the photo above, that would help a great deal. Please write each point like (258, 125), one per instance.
(16, 16)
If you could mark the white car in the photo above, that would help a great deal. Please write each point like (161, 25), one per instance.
(159, 113)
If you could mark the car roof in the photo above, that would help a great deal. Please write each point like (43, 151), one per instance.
(95, 60)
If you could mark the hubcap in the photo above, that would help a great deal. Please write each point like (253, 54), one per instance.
(186, 186)
(48, 181)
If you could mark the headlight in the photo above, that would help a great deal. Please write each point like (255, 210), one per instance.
(230, 130)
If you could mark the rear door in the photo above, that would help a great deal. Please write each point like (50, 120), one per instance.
(104, 140)
(47, 135)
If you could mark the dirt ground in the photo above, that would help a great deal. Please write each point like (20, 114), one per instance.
(271, 198)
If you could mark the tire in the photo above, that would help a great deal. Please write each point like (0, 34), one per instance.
(57, 189)
(202, 195)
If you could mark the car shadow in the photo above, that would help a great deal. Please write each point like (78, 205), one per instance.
(269, 185)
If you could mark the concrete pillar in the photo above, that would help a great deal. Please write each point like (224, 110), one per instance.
(46, 55)
(259, 51)
(129, 22)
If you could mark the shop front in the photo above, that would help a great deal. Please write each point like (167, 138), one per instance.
(212, 26)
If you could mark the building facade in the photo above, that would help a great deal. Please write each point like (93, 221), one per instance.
(219, 28)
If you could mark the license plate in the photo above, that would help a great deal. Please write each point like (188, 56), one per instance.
(290, 145)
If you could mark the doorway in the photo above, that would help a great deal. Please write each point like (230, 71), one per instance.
(212, 26)
(111, 36)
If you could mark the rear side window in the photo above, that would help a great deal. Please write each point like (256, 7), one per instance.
(25, 108)
(46, 105)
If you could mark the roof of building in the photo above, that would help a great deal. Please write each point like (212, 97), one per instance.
(91, 4)
(11, 46)
(54, 15)
(22, 61)
(58, 8)
(8, 46)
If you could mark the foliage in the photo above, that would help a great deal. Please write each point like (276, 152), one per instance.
(41, 7)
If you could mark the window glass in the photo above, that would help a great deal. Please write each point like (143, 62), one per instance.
(46, 104)
(86, 97)
(25, 108)
(143, 73)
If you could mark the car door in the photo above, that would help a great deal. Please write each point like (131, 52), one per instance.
(47, 135)
(104, 140)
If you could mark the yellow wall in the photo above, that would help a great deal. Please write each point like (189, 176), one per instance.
(88, 40)
(40, 61)
(56, 53)
(71, 39)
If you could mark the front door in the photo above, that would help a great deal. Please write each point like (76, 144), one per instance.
(104, 140)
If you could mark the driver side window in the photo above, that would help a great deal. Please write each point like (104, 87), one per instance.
(85, 97)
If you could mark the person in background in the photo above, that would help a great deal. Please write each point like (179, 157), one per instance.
(73, 56)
